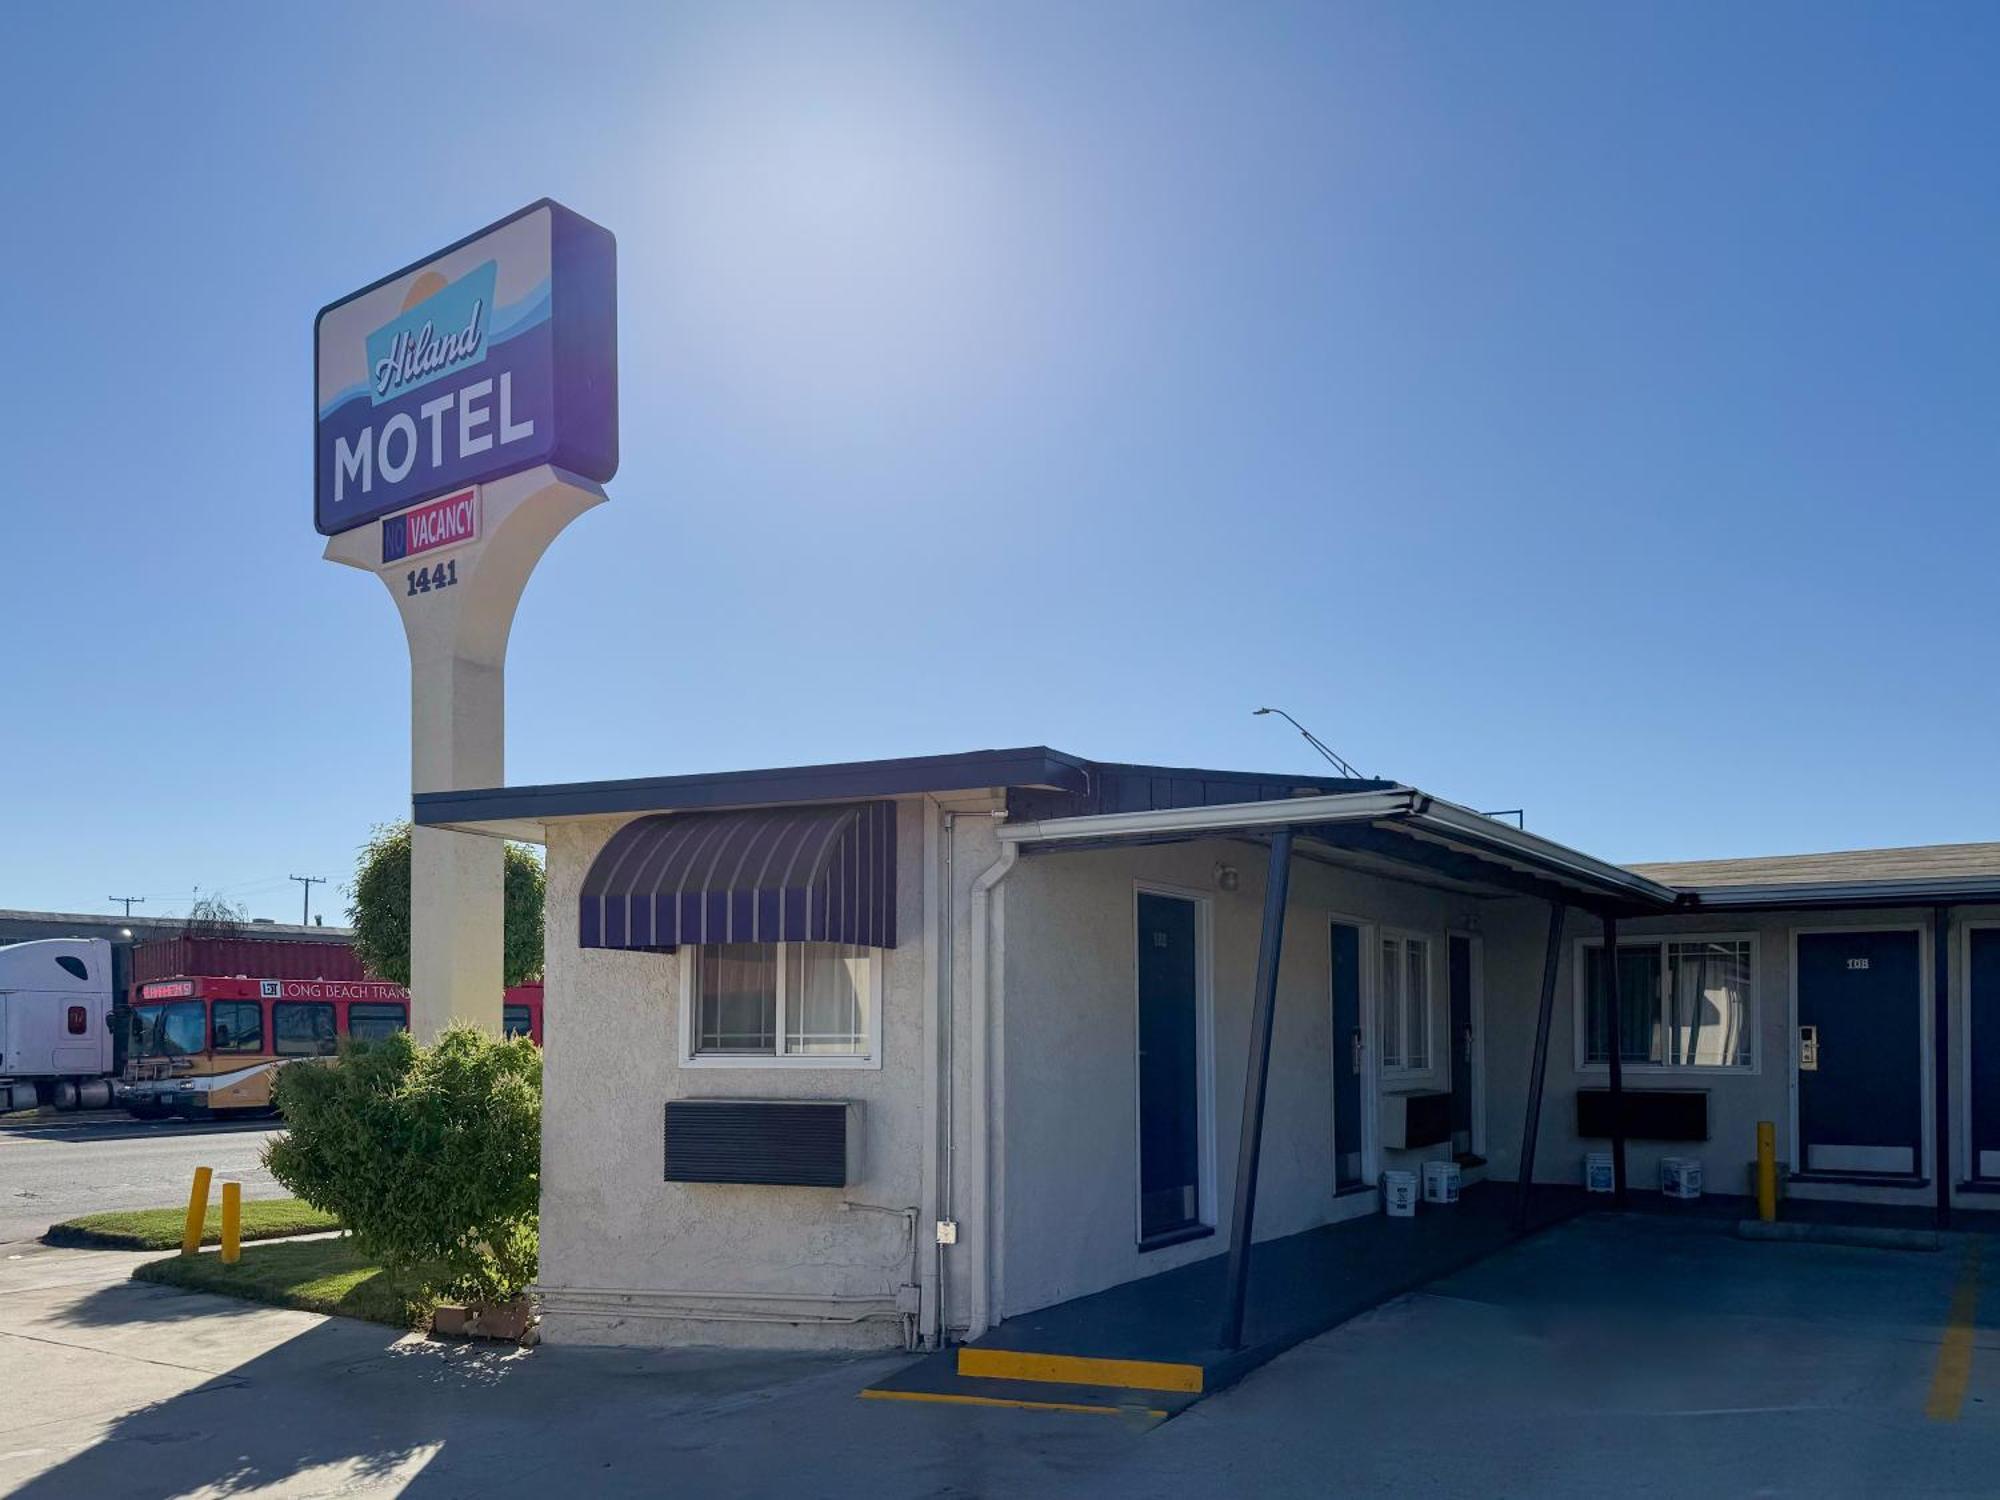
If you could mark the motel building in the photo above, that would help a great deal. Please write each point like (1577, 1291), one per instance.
(998, 1053)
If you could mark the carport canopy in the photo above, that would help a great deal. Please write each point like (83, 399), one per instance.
(1404, 828)
(1410, 831)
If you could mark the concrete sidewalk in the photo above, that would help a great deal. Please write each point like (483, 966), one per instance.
(1609, 1355)
(114, 1388)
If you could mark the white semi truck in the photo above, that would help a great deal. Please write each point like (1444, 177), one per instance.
(56, 1045)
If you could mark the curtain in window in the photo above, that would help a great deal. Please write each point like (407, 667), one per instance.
(1392, 1008)
(1417, 1003)
(826, 999)
(1709, 996)
(736, 986)
(1638, 1005)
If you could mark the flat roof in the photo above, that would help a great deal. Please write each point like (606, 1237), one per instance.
(1911, 875)
(523, 812)
(1058, 798)
(1915, 862)
(156, 929)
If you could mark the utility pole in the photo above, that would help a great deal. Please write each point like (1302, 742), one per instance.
(129, 902)
(307, 882)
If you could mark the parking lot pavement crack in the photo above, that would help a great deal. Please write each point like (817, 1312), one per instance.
(135, 1359)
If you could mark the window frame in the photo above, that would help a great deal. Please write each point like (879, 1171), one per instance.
(371, 1005)
(277, 1048)
(1580, 1006)
(691, 1057)
(157, 1012)
(1389, 991)
(232, 1050)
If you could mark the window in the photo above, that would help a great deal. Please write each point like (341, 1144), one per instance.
(370, 1023)
(1682, 1003)
(71, 965)
(517, 1020)
(237, 1026)
(303, 1028)
(781, 1001)
(168, 1030)
(1406, 1004)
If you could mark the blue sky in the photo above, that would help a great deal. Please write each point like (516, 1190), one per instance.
(1584, 408)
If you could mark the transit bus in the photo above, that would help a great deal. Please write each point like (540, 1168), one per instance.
(203, 1046)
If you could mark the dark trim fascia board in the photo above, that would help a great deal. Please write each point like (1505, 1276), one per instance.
(854, 780)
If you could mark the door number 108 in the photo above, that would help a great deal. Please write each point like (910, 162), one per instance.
(423, 580)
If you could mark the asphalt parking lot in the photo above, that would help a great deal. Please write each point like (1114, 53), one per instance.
(1609, 1355)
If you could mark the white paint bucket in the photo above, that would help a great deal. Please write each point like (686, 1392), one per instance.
(1399, 1194)
(1680, 1177)
(1597, 1174)
(1441, 1182)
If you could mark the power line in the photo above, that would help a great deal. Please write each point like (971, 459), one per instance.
(307, 882)
(129, 901)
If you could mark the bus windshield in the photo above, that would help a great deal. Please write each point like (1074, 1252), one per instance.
(168, 1030)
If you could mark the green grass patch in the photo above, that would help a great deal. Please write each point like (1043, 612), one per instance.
(322, 1276)
(160, 1228)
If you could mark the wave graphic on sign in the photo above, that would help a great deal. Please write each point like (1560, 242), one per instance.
(507, 322)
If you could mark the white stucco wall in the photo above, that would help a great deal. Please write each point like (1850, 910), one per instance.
(630, 1258)
(1039, 1169)
(1071, 1121)
(1737, 1099)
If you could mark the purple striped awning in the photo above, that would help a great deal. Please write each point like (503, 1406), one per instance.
(773, 874)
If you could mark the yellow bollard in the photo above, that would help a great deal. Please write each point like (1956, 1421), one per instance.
(197, 1214)
(1767, 1171)
(232, 1222)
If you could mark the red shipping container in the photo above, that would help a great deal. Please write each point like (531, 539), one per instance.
(254, 958)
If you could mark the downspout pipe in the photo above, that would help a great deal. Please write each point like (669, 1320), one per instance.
(941, 1058)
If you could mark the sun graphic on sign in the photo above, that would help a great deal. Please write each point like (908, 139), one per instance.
(429, 284)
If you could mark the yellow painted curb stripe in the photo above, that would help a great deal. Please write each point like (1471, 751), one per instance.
(949, 1399)
(1954, 1366)
(1075, 1369)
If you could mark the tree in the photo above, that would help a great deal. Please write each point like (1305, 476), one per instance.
(380, 913)
(430, 1156)
(213, 917)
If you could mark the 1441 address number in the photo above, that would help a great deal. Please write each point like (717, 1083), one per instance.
(423, 580)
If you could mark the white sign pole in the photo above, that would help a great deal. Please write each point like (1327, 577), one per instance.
(458, 605)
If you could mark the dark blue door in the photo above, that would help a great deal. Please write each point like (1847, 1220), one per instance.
(1347, 1057)
(1461, 1047)
(1983, 1000)
(1861, 1052)
(1169, 1067)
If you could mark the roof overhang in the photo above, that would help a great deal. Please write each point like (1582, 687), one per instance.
(1405, 826)
(1846, 895)
(525, 812)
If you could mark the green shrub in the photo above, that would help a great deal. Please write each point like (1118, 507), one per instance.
(430, 1156)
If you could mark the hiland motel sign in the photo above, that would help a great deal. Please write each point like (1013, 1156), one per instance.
(465, 411)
